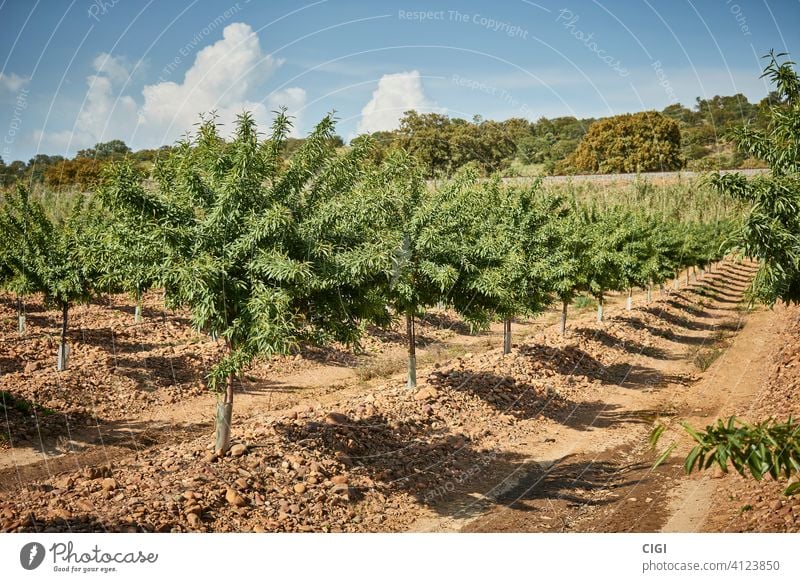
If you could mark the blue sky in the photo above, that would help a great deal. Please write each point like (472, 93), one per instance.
(75, 73)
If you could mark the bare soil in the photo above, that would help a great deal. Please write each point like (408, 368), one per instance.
(552, 437)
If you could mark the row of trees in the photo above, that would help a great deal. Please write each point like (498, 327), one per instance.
(770, 233)
(444, 144)
(268, 253)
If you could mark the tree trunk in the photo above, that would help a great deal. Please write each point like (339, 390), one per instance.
(649, 291)
(412, 351)
(661, 289)
(676, 285)
(563, 326)
(224, 416)
(687, 277)
(63, 348)
(507, 336)
(694, 273)
(629, 304)
(137, 315)
(20, 316)
(600, 307)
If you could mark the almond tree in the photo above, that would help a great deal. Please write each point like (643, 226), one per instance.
(244, 244)
(527, 239)
(50, 257)
(129, 255)
(568, 276)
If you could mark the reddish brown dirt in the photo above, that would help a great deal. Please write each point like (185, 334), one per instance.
(549, 438)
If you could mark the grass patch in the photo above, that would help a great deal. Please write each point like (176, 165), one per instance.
(383, 368)
(386, 367)
(704, 355)
(584, 302)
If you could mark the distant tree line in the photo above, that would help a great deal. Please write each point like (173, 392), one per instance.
(696, 138)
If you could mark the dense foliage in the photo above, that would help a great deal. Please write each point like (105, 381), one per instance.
(269, 252)
(640, 142)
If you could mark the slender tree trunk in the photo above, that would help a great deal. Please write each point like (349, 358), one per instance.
(507, 336)
(20, 316)
(63, 348)
(629, 303)
(412, 351)
(137, 315)
(600, 307)
(649, 291)
(224, 417)
(676, 285)
(661, 289)
(694, 273)
(563, 326)
(687, 277)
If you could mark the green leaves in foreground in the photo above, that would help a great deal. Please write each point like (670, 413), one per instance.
(766, 448)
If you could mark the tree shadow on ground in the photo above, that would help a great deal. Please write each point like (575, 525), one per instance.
(155, 371)
(408, 456)
(524, 400)
(573, 482)
(436, 466)
(663, 332)
(628, 346)
(685, 323)
(28, 424)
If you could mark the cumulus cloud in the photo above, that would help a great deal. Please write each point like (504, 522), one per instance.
(116, 68)
(104, 115)
(12, 82)
(395, 94)
(223, 78)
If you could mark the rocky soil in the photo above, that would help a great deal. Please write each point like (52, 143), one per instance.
(375, 459)
(746, 505)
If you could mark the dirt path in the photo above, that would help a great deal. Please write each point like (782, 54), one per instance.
(595, 474)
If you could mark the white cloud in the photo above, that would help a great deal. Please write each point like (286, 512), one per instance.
(116, 68)
(104, 116)
(223, 78)
(395, 94)
(12, 82)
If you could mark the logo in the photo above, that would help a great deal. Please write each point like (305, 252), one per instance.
(31, 555)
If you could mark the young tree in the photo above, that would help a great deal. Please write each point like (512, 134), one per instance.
(244, 243)
(568, 276)
(527, 240)
(605, 261)
(50, 257)
(129, 255)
